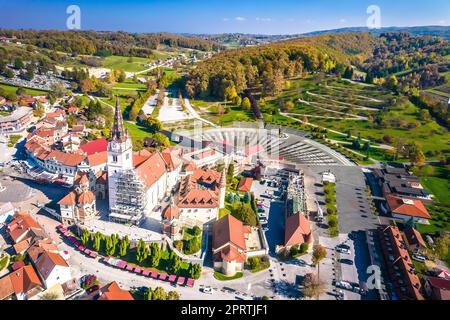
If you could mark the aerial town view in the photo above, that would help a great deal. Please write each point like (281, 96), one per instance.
(183, 150)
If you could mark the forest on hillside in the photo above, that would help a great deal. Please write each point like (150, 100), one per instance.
(106, 43)
(269, 65)
(266, 68)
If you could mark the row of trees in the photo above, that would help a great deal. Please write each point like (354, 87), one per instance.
(115, 246)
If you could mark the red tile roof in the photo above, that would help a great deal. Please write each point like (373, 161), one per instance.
(231, 253)
(114, 292)
(245, 184)
(297, 230)
(414, 237)
(228, 230)
(48, 261)
(24, 280)
(6, 288)
(171, 212)
(407, 206)
(400, 267)
(20, 224)
(95, 146)
(152, 169)
(96, 159)
(67, 159)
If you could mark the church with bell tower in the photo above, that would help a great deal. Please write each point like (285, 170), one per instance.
(120, 154)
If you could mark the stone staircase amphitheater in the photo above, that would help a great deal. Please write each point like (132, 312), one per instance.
(294, 147)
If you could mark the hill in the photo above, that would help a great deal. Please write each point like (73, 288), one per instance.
(106, 43)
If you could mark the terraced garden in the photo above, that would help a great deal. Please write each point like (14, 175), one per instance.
(346, 107)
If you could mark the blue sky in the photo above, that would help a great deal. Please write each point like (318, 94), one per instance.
(212, 16)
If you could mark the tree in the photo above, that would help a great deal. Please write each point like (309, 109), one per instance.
(196, 231)
(111, 244)
(159, 294)
(150, 294)
(312, 286)
(246, 105)
(304, 247)
(441, 246)
(175, 263)
(142, 251)
(155, 254)
(230, 172)
(162, 139)
(348, 73)
(415, 154)
(247, 197)
(98, 237)
(254, 263)
(18, 63)
(245, 213)
(173, 295)
(85, 236)
(58, 90)
(153, 125)
(195, 270)
(294, 251)
(319, 253)
(124, 245)
(192, 245)
(9, 74)
(20, 91)
(39, 111)
(237, 100)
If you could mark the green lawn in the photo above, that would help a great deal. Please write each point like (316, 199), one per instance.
(12, 89)
(221, 277)
(121, 63)
(438, 184)
(137, 132)
(440, 220)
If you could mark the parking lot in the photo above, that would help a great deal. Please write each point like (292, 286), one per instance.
(355, 217)
(274, 211)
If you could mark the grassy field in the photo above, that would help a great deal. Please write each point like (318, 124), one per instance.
(121, 63)
(438, 184)
(440, 220)
(12, 89)
(130, 85)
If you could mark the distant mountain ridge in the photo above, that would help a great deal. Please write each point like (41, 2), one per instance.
(241, 39)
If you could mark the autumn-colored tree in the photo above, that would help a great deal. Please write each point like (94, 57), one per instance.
(319, 253)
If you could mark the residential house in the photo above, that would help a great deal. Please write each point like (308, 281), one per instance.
(25, 283)
(52, 269)
(233, 243)
(406, 209)
(404, 280)
(414, 240)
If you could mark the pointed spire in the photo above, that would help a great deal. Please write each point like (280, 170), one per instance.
(119, 133)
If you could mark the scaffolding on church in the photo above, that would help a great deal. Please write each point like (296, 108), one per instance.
(131, 199)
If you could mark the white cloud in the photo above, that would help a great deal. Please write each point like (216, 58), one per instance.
(240, 19)
(263, 19)
(443, 22)
(225, 19)
(342, 20)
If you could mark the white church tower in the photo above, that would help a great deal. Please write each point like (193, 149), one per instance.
(120, 154)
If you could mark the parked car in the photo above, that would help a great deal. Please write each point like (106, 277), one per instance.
(346, 261)
(263, 221)
(208, 290)
(419, 258)
(157, 209)
(261, 210)
(265, 229)
(343, 250)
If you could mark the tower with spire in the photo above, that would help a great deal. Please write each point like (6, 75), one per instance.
(120, 153)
